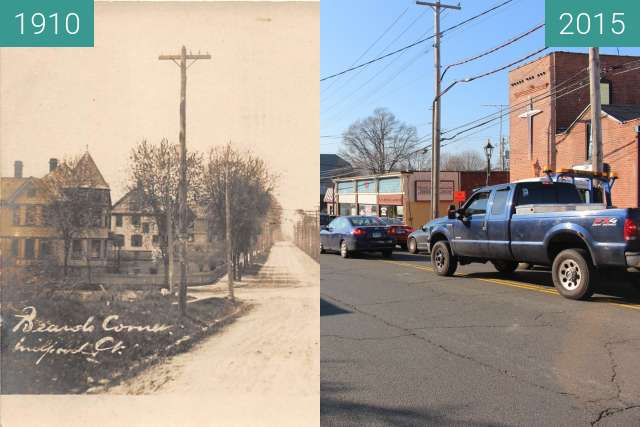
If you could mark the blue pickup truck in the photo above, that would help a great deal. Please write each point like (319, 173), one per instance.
(542, 223)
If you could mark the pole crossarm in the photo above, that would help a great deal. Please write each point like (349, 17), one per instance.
(438, 4)
(179, 57)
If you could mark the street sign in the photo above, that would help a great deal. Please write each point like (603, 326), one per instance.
(459, 196)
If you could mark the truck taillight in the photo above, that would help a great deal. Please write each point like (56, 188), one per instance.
(358, 232)
(630, 230)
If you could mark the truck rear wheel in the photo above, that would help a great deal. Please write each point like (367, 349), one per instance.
(504, 266)
(443, 261)
(573, 274)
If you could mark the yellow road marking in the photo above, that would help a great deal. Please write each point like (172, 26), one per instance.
(519, 285)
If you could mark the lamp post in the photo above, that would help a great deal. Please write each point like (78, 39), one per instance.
(488, 150)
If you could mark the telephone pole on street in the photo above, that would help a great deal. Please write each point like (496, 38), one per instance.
(596, 106)
(181, 61)
(435, 144)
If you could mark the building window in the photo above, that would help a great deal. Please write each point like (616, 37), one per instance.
(45, 248)
(16, 216)
(118, 218)
(368, 210)
(389, 185)
(145, 228)
(96, 246)
(367, 186)
(155, 239)
(31, 215)
(605, 92)
(76, 248)
(589, 142)
(15, 247)
(136, 240)
(135, 220)
(29, 248)
(346, 187)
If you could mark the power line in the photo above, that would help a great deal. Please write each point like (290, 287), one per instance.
(416, 43)
(384, 33)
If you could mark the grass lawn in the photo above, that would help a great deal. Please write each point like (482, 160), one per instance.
(69, 343)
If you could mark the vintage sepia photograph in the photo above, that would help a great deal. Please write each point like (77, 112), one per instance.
(158, 235)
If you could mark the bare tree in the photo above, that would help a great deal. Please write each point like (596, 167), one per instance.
(250, 186)
(154, 177)
(468, 160)
(380, 143)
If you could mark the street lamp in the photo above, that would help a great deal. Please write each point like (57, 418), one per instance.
(488, 150)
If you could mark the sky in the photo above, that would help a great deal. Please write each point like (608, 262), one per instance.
(260, 90)
(404, 83)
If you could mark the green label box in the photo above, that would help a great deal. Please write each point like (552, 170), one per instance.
(592, 23)
(46, 23)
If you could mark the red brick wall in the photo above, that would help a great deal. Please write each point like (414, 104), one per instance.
(558, 112)
(620, 146)
(474, 179)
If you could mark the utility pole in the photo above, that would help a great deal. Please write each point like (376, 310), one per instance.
(182, 188)
(227, 226)
(596, 106)
(435, 144)
(501, 139)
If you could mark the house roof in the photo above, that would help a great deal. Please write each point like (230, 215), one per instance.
(620, 113)
(10, 186)
(87, 173)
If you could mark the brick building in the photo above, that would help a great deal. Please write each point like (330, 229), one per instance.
(550, 121)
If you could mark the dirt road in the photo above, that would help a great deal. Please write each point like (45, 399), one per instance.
(268, 361)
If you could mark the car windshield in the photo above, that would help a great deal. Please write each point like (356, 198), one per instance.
(359, 221)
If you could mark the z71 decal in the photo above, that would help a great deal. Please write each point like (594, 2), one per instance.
(605, 222)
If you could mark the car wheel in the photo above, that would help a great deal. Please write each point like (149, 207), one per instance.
(572, 274)
(443, 261)
(403, 246)
(412, 246)
(387, 253)
(344, 250)
(322, 251)
(505, 267)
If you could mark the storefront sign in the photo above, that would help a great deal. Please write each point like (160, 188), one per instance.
(390, 199)
(423, 190)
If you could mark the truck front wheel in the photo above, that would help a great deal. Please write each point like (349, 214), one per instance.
(573, 274)
(443, 261)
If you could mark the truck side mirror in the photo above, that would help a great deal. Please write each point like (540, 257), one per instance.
(452, 213)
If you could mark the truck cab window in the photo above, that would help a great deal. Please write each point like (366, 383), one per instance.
(478, 204)
(500, 201)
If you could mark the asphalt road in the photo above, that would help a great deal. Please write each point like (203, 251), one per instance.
(402, 346)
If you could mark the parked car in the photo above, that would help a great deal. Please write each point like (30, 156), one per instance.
(418, 240)
(352, 234)
(398, 229)
(540, 223)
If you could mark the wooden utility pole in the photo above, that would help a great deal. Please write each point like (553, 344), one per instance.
(596, 106)
(227, 226)
(435, 144)
(183, 57)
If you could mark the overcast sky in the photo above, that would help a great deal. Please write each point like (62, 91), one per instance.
(260, 91)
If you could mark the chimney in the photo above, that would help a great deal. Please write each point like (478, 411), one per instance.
(53, 164)
(17, 167)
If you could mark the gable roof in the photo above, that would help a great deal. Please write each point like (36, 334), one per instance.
(619, 113)
(87, 173)
(10, 186)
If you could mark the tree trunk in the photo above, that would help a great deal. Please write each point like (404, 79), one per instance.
(66, 259)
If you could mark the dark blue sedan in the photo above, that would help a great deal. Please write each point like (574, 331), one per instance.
(352, 234)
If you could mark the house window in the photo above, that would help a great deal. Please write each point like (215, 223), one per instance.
(605, 92)
(76, 248)
(136, 240)
(29, 248)
(96, 246)
(145, 228)
(31, 216)
(45, 248)
(16, 216)
(155, 239)
(118, 220)
(15, 247)
(135, 220)
(589, 142)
